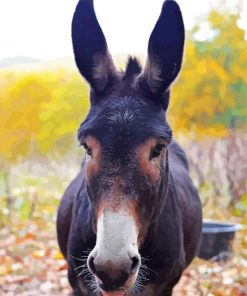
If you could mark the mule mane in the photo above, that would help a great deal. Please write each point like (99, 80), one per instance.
(133, 67)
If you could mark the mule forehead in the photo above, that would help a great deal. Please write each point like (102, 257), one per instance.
(125, 122)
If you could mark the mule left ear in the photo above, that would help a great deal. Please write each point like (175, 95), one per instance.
(165, 49)
(90, 48)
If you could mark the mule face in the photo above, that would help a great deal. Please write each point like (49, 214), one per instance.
(125, 136)
(125, 165)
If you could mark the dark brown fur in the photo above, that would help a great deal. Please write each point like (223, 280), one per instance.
(123, 131)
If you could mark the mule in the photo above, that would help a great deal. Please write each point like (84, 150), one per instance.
(130, 222)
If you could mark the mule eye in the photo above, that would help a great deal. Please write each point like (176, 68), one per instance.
(156, 151)
(87, 149)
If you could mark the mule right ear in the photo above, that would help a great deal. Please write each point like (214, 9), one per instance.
(90, 48)
(165, 49)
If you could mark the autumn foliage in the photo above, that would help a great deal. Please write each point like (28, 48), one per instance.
(41, 108)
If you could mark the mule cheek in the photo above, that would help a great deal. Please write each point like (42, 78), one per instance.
(149, 168)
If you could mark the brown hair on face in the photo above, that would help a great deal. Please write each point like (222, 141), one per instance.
(149, 167)
(115, 201)
(93, 164)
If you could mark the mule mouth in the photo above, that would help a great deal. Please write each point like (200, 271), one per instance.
(121, 291)
(118, 293)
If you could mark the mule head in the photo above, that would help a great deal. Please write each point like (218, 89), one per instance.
(125, 136)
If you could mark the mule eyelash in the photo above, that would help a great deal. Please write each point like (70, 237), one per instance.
(156, 151)
(87, 149)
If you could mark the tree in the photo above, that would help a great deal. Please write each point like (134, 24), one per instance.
(210, 95)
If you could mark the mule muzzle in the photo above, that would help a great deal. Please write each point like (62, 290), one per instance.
(115, 259)
(114, 275)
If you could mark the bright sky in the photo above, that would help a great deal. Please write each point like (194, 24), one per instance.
(41, 28)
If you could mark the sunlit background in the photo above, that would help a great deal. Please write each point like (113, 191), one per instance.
(41, 29)
(43, 100)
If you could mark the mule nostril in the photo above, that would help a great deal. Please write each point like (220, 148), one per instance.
(135, 264)
(91, 265)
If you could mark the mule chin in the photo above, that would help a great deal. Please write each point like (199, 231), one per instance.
(113, 293)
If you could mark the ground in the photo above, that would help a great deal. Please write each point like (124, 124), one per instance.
(31, 264)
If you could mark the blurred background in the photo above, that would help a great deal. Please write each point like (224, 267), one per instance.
(43, 100)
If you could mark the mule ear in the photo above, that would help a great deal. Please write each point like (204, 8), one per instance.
(165, 49)
(90, 48)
